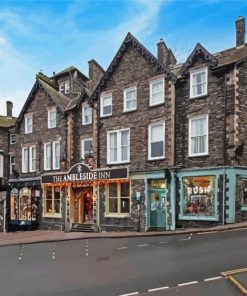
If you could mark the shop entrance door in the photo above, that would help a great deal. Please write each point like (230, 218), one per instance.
(157, 209)
(83, 205)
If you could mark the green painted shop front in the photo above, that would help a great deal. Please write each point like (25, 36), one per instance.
(217, 195)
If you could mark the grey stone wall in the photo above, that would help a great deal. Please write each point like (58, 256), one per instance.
(4, 148)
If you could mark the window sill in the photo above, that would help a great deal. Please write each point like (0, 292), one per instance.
(118, 163)
(56, 216)
(199, 218)
(117, 215)
(156, 105)
(105, 116)
(156, 159)
(85, 124)
(199, 155)
(199, 96)
(129, 111)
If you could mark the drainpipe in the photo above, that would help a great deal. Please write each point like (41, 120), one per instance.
(224, 155)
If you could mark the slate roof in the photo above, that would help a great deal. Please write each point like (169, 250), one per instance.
(86, 94)
(131, 40)
(70, 69)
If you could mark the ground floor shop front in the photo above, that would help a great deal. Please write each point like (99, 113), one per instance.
(114, 199)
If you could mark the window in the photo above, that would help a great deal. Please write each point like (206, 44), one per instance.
(32, 159)
(47, 156)
(130, 99)
(87, 115)
(198, 135)
(11, 164)
(56, 155)
(28, 123)
(156, 135)
(52, 201)
(67, 86)
(25, 159)
(106, 105)
(12, 139)
(1, 165)
(86, 147)
(198, 83)
(157, 92)
(52, 118)
(118, 148)
(118, 198)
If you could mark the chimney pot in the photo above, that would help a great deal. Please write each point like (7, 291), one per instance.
(9, 107)
(240, 31)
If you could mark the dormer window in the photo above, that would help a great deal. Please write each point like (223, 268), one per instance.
(52, 117)
(28, 123)
(64, 87)
(12, 139)
(198, 83)
(86, 115)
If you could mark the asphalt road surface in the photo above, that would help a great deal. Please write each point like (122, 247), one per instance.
(161, 265)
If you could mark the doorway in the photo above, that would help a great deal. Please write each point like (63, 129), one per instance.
(83, 205)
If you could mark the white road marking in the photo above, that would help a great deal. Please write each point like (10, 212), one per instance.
(53, 251)
(144, 245)
(158, 289)
(161, 243)
(21, 252)
(189, 283)
(186, 239)
(86, 247)
(129, 294)
(213, 278)
(122, 248)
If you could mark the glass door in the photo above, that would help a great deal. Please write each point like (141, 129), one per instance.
(157, 209)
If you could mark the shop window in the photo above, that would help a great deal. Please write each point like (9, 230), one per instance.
(156, 141)
(198, 135)
(118, 146)
(52, 201)
(198, 198)
(14, 204)
(25, 205)
(130, 99)
(157, 93)
(244, 195)
(118, 198)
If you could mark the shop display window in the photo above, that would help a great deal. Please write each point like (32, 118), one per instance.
(52, 200)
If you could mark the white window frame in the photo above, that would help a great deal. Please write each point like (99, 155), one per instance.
(28, 116)
(66, 86)
(61, 88)
(46, 168)
(52, 110)
(12, 138)
(201, 70)
(32, 158)
(24, 165)
(126, 90)
(52, 213)
(205, 116)
(151, 83)
(149, 140)
(54, 166)
(11, 164)
(119, 145)
(82, 146)
(1, 165)
(83, 115)
(102, 97)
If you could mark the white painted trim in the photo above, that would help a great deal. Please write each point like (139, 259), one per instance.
(31, 158)
(28, 115)
(205, 69)
(23, 163)
(54, 155)
(124, 95)
(118, 146)
(151, 93)
(207, 140)
(51, 110)
(45, 149)
(102, 97)
(83, 115)
(149, 140)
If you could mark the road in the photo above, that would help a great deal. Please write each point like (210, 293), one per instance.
(111, 267)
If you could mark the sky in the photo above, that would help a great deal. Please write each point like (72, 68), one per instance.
(51, 35)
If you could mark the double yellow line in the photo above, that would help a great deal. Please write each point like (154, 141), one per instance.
(230, 275)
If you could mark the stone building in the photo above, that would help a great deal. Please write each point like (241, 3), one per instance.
(211, 154)
(135, 106)
(7, 141)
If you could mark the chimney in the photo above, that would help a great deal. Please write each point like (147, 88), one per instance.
(95, 72)
(9, 107)
(164, 54)
(240, 31)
